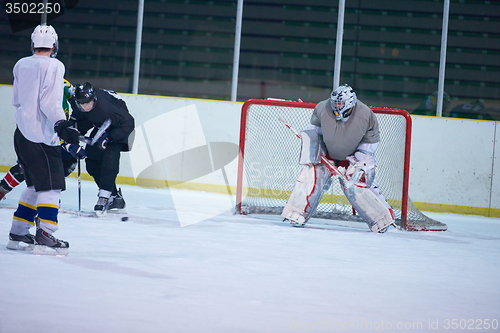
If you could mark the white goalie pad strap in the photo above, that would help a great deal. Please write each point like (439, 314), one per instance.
(370, 207)
(310, 151)
(306, 193)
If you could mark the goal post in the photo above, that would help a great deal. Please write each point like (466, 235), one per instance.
(268, 163)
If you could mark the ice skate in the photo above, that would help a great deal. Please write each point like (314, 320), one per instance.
(117, 204)
(21, 242)
(47, 244)
(295, 224)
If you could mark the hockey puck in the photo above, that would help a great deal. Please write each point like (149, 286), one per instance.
(125, 219)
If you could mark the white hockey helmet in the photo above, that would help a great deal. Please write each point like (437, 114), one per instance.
(343, 99)
(45, 36)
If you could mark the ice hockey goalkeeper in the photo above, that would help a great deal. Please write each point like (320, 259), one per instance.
(347, 132)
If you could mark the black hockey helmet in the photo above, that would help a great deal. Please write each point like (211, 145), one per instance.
(84, 93)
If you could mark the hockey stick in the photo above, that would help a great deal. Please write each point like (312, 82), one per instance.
(325, 161)
(84, 139)
(79, 189)
(105, 125)
(79, 212)
(91, 141)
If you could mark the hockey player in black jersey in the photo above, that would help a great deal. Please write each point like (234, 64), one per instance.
(91, 108)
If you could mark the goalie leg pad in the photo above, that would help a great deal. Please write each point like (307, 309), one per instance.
(375, 212)
(376, 190)
(306, 193)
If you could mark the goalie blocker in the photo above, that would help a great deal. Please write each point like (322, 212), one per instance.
(315, 178)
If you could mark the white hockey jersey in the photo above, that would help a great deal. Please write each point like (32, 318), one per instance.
(38, 95)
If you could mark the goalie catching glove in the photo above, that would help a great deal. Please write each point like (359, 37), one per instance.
(362, 167)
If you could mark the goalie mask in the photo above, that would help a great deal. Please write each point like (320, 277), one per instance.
(45, 37)
(84, 94)
(343, 99)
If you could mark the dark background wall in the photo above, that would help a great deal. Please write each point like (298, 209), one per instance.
(391, 49)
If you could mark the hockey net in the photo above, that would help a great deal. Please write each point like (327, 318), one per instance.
(268, 164)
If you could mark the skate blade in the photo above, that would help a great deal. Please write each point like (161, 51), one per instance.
(294, 224)
(44, 250)
(19, 246)
(384, 229)
(84, 213)
(88, 214)
(117, 211)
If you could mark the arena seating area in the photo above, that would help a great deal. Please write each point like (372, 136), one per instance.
(391, 50)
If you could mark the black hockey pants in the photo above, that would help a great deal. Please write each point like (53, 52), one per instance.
(104, 165)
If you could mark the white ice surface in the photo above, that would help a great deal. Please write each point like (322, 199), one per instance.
(244, 273)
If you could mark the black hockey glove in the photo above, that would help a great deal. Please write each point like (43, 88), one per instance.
(67, 133)
(103, 141)
(75, 150)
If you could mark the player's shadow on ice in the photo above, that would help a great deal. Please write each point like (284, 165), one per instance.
(113, 267)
